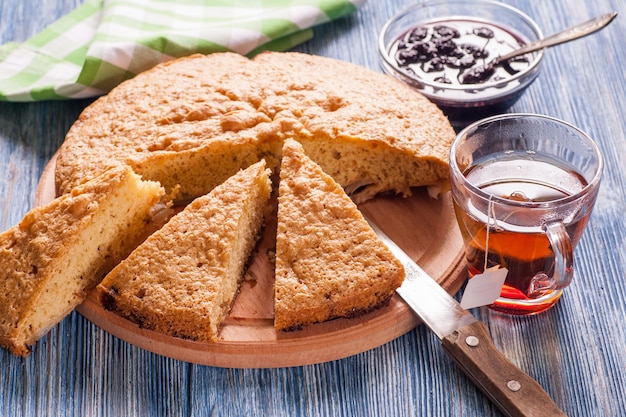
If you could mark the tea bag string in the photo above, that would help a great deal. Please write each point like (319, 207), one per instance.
(491, 214)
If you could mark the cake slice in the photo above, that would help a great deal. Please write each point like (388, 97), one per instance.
(60, 251)
(183, 279)
(329, 262)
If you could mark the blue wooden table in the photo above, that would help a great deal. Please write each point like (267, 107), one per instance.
(576, 351)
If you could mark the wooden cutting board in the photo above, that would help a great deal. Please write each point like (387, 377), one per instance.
(424, 227)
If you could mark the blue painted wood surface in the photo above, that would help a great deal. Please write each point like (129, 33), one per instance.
(577, 351)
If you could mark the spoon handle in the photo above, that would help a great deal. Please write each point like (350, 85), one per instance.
(569, 34)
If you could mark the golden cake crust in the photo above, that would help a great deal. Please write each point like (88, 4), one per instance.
(367, 130)
(329, 262)
(182, 280)
(61, 250)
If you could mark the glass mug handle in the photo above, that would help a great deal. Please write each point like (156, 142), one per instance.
(564, 261)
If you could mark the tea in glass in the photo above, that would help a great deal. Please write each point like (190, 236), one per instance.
(523, 188)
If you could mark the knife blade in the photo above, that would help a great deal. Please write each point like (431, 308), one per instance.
(468, 342)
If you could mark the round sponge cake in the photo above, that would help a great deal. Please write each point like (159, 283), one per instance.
(192, 123)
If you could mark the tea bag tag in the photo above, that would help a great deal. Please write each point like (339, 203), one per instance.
(483, 289)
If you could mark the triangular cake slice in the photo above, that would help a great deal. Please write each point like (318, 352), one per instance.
(60, 251)
(329, 262)
(183, 279)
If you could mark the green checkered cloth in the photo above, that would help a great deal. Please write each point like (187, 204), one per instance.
(104, 42)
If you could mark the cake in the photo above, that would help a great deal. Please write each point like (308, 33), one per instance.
(60, 251)
(193, 122)
(207, 129)
(182, 280)
(329, 262)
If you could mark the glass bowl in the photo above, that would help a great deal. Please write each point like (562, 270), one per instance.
(494, 27)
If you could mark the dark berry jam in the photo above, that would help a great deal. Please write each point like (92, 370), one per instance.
(458, 52)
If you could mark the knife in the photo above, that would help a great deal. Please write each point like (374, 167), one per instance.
(467, 340)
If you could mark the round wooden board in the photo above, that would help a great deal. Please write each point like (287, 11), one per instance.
(424, 227)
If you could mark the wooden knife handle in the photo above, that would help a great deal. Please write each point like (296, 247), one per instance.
(513, 391)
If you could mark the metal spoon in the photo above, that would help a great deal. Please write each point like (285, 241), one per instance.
(569, 34)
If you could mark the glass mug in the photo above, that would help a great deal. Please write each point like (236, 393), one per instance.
(523, 187)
